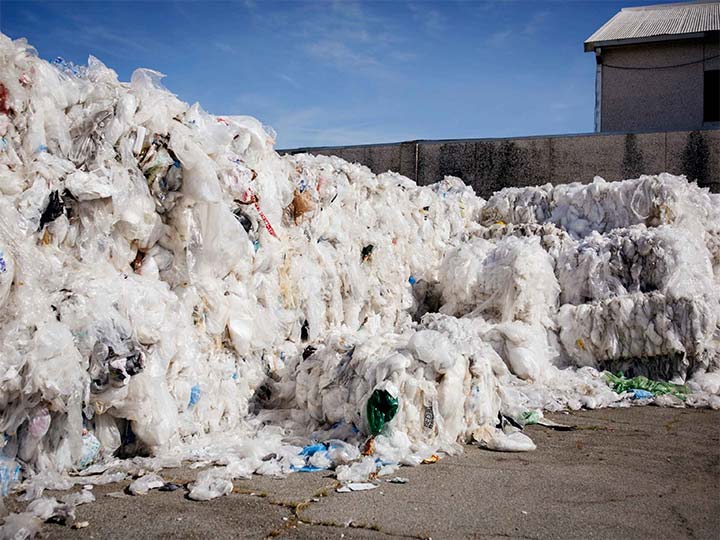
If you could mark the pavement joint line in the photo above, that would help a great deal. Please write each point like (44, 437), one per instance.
(683, 521)
(506, 535)
(671, 423)
(295, 507)
(325, 491)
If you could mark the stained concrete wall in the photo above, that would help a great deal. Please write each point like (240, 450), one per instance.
(492, 164)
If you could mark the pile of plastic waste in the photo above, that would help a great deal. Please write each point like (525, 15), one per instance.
(172, 289)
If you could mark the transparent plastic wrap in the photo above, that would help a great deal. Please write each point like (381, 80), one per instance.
(444, 395)
(602, 206)
(656, 334)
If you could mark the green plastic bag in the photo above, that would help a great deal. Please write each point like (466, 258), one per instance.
(530, 417)
(381, 408)
(620, 384)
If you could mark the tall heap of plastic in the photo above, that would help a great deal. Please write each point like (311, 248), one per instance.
(171, 286)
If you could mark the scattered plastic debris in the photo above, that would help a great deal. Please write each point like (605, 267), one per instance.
(530, 417)
(145, 483)
(9, 474)
(536, 417)
(356, 486)
(638, 393)
(84, 496)
(398, 480)
(381, 409)
(90, 450)
(668, 400)
(642, 386)
(317, 458)
(194, 395)
(211, 484)
(358, 471)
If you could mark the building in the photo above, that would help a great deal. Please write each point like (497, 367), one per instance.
(658, 68)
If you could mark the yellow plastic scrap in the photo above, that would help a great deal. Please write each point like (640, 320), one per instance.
(369, 448)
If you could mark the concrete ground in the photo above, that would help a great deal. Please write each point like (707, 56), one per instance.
(644, 472)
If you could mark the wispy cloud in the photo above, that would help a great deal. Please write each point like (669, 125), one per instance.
(403, 56)
(341, 55)
(431, 19)
(312, 126)
(338, 134)
(259, 103)
(535, 22)
(224, 47)
(500, 38)
(349, 36)
(30, 17)
(288, 79)
(523, 30)
(100, 38)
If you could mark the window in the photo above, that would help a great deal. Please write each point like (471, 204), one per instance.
(711, 96)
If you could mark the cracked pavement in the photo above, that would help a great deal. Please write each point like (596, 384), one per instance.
(641, 472)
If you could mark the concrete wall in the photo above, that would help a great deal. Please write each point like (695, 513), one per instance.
(655, 99)
(492, 164)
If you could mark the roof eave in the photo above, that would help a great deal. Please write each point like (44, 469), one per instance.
(592, 45)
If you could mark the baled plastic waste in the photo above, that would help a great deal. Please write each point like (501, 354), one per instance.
(173, 289)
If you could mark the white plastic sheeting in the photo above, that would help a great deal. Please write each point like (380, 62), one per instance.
(170, 286)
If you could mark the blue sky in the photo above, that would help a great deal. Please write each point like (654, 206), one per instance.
(335, 73)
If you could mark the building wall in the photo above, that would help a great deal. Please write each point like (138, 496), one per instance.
(492, 164)
(655, 99)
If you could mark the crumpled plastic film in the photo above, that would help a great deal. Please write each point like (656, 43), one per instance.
(173, 289)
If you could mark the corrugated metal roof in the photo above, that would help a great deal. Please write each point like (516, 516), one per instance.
(637, 23)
